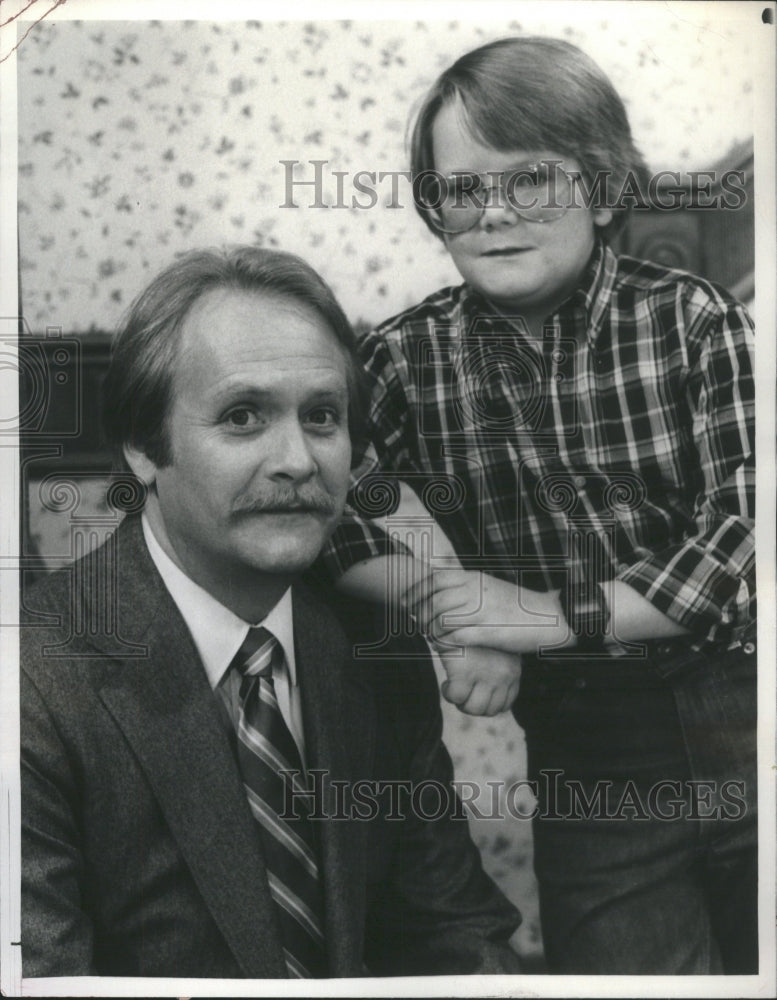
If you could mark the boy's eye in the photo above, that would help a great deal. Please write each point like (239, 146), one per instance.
(530, 177)
(464, 182)
(462, 188)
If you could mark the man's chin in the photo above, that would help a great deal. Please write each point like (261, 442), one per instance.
(287, 556)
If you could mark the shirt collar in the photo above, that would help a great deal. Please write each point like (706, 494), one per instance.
(218, 633)
(592, 294)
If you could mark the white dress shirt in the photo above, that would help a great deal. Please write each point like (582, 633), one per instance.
(218, 634)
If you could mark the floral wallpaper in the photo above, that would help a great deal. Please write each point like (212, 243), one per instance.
(141, 139)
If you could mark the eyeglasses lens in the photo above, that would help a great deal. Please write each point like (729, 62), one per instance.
(541, 193)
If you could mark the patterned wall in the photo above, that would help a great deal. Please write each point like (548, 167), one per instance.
(141, 139)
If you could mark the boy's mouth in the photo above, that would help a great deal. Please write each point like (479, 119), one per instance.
(505, 251)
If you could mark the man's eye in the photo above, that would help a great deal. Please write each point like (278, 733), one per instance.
(324, 416)
(242, 416)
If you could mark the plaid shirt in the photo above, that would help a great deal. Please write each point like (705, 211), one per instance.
(619, 447)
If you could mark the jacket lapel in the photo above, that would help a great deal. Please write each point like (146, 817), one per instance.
(339, 736)
(167, 712)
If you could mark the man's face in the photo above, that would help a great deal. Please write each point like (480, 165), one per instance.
(527, 267)
(258, 428)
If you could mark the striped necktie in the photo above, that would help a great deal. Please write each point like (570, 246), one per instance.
(266, 748)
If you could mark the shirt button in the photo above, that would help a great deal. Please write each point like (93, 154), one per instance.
(580, 683)
(664, 649)
(748, 648)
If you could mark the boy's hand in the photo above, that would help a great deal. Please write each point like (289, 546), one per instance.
(482, 681)
(473, 609)
(475, 599)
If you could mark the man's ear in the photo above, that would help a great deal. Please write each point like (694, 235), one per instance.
(140, 464)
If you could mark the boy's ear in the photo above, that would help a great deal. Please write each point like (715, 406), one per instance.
(140, 464)
(602, 216)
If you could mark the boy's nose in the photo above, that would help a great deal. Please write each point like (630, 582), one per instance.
(496, 208)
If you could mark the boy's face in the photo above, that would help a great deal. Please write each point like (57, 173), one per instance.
(523, 266)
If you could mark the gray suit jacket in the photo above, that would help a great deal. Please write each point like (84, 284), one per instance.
(140, 856)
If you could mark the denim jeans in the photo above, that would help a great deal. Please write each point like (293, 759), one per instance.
(645, 837)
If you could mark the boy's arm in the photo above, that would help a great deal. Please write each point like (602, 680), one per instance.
(706, 582)
(386, 578)
(703, 584)
(468, 608)
(480, 681)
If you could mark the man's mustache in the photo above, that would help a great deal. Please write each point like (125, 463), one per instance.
(311, 499)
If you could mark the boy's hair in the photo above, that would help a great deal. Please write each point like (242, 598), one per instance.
(537, 93)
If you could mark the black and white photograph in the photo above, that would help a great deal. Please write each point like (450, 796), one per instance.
(384, 425)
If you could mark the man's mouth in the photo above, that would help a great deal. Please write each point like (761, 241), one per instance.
(317, 502)
(292, 509)
(325, 508)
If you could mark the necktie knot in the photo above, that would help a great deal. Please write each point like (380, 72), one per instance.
(257, 653)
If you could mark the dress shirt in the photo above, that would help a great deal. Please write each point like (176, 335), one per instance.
(218, 634)
(629, 425)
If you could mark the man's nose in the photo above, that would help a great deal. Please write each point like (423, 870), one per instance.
(289, 455)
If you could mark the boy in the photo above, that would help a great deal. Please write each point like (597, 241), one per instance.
(592, 419)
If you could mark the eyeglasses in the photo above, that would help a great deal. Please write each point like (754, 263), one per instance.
(541, 192)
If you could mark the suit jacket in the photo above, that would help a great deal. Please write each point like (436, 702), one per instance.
(140, 856)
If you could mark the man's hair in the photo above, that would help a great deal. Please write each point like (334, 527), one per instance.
(138, 387)
(536, 93)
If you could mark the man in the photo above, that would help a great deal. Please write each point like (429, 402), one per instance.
(588, 420)
(174, 679)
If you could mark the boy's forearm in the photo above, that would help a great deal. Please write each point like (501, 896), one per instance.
(382, 580)
(517, 620)
(507, 617)
(632, 617)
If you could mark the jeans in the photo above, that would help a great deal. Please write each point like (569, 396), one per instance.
(645, 836)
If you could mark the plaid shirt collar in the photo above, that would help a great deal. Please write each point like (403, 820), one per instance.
(590, 299)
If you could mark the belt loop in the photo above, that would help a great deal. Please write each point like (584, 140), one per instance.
(674, 656)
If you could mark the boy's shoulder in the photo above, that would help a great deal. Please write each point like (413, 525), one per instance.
(647, 278)
(439, 311)
(628, 281)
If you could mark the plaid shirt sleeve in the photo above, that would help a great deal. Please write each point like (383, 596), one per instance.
(374, 484)
(708, 579)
